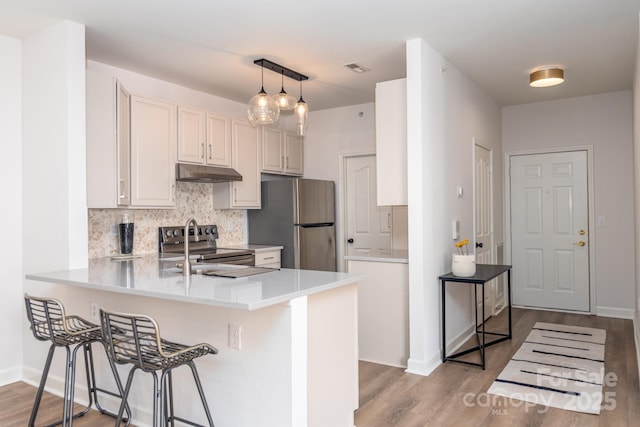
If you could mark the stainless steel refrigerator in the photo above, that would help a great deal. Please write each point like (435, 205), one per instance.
(298, 214)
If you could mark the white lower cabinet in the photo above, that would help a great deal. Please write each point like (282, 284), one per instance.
(270, 259)
(153, 152)
(245, 194)
(383, 311)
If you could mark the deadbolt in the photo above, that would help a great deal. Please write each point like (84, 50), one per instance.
(580, 243)
(581, 232)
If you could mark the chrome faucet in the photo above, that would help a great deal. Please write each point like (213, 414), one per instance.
(186, 266)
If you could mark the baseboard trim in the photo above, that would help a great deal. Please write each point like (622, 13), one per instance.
(423, 367)
(636, 334)
(619, 313)
(378, 362)
(55, 385)
(11, 375)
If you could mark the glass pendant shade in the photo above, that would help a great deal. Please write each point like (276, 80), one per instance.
(284, 100)
(262, 109)
(302, 115)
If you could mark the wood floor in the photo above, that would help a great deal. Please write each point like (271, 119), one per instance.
(453, 395)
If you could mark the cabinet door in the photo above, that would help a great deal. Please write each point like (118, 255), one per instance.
(153, 148)
(293, 159)
(272, 150)
(191, 135)
(218, 140)
(391, 142)
(108, 136)
(246, 160)
(123, 144)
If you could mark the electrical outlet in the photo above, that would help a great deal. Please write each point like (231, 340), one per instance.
(235, 336)
(95, 311)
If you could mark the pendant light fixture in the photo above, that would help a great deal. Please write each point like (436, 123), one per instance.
(265, 110)
(262, 109)
(283, 99)
(302, 114)
(546, 76)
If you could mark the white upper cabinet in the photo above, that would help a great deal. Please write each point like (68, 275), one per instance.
(203, 138)
(246, 152)
(294, 154)
(391, 142)
(218, 140)
(153, 152)
(191, 135)
(282, 152)
(108, 139)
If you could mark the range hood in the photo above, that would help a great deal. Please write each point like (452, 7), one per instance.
(202, 173)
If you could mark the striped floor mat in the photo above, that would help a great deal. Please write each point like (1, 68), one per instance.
(557, 365)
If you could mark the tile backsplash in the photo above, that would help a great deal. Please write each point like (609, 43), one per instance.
(193, 200)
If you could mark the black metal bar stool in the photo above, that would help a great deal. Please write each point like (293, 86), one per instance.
(50, 323)
(135, 339)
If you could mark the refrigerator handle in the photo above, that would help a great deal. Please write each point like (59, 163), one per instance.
(296, 247)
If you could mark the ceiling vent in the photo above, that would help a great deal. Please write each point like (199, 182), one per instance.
(356, 68)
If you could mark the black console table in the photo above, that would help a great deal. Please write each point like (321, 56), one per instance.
(484, 273)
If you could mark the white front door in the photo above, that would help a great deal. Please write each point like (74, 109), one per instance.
(549, 230)
(368, 225)
(483, 224)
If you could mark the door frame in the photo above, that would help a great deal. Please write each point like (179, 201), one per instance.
(342, 208)
(492, 250)
(590, 208)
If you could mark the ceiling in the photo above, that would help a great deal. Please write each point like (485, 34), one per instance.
(210, 45)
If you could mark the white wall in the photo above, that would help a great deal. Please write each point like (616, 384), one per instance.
(636, 169)
(445, 112)
(332, 134)
(53, 127)
(142, 85)
(11, 305)
(605, 122)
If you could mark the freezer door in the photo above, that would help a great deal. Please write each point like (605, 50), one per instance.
(314, 201)
(315, 248)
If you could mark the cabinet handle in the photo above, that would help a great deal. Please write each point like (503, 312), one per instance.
(173, 192)
(235, 195)
(286, 162)
(202, 148)
(267, 257)
(210, 150)
(389, 220)
(122, 189)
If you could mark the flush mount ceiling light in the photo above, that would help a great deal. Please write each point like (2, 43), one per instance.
(263, 109)
(546, 76)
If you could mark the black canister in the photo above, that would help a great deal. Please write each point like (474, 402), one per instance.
(126, 235)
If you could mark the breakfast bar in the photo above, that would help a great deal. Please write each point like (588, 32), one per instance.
(294, 362)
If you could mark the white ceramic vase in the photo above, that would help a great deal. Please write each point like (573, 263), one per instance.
(463, 265)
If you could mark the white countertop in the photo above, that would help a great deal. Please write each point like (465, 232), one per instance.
(149, 276)
(400, 256)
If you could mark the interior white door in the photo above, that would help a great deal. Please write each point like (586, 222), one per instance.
(483, 224)
(549, 230)
(368, 225)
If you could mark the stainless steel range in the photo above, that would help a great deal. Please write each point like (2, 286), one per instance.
(172, 244)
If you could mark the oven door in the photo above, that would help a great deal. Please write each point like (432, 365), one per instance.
(246, 259)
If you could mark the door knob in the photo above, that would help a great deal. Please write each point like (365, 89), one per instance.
(479, 244)
(349, 240)
(580, 243)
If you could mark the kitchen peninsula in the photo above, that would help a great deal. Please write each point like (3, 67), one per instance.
(297, 361)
